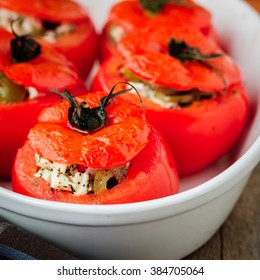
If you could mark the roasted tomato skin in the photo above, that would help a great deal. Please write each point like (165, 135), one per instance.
(197, 135)
(49, 70)
(15, 122)
(152, 173)
(130, 15)
(80, 45)
(202, 133)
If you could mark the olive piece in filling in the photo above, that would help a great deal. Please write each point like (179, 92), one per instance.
(102, 179)
(11, 92)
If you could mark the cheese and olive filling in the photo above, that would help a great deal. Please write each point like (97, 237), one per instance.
(78, 180)
(50, 31)
(25, 25)
(165, 97)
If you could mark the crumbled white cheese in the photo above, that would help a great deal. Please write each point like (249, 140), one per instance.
(62, 176)
(25, 25)
(52, 35)
(116, 33)
(68, 178)
(146, 91)
(33, 92)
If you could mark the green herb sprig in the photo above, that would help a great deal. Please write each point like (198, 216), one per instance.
(155, 6)
(182, 51)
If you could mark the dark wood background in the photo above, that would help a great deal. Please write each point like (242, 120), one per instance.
(239, 236)
(255, 4)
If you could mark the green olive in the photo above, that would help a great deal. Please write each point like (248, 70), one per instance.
(101, 179)
(37, 31)
(108, 178)
(11, 92)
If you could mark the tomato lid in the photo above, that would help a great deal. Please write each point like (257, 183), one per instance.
(156, 39)
(147, 53)
(124, 136)
(49, 70)
(160, 69)
(131, 15)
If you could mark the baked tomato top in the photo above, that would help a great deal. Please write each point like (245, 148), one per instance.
(133, 14)
(180, 58)
(199, 127)
(49, 69)
(124, 135)
(64, 24)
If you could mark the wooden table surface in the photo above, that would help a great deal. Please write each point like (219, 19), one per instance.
(239, 236)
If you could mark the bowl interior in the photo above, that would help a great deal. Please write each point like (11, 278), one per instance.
(241, 38)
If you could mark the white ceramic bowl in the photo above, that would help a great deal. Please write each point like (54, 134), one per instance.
(171, 227)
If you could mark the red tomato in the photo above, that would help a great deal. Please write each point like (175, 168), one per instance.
(126, 137)
(118, 142)
(130, 15)
(146, 55)
(16, 119)
(49, 70)
(201, 132)
(78, 45)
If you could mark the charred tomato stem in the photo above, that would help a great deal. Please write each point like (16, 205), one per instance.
(23, 47)
(182, 51)
(84, 119)
(156, 6)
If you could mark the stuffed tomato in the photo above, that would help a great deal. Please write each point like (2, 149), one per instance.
(126, 16)
(64, 24)
(192, 91)
(25, 77)
(98, 150)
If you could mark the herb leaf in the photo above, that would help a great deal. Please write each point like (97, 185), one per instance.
(183, 52)
(153, 6)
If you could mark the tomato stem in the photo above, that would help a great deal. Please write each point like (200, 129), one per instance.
(183, 52)
(23, 47)
(84, 119)
(156, 6)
